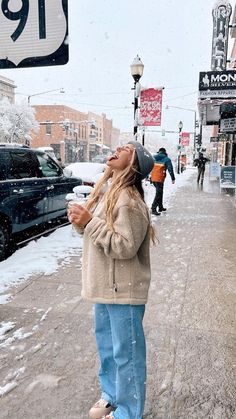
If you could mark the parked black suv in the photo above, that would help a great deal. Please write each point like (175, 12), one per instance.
(32, 191)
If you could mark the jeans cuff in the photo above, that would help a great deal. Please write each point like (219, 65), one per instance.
(108, 399)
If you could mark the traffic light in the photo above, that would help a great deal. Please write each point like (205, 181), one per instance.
(198, 139)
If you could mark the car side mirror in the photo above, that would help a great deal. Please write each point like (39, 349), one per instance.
(67, 172)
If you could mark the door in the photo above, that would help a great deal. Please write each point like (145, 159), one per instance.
(53, 174)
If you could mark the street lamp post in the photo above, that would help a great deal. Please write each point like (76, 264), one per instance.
(180, 126)
(42, 93)
(195, 123)
(136, 72)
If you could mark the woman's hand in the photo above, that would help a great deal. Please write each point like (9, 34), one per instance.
(77, 214)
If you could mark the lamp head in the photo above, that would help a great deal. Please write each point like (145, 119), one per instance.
(137, 68)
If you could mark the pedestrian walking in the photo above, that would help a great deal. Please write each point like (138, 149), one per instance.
(158, 175)
(116, 277)
(200, 163)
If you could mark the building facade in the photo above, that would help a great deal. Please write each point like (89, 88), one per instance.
(115, 136)
(7, 89)
(64, 129)
(74, 135)
(217, 88)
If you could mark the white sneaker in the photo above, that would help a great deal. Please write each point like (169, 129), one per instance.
(100, 410)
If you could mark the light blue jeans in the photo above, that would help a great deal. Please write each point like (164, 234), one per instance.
(122, 350)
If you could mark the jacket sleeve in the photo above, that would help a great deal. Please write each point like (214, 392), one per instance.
(170, 168)
(130, 228)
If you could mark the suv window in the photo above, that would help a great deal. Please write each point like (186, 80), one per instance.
(3, 167)
(22, 165)
(48, 167)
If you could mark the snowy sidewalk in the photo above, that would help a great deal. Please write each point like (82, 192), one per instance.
(48, 363)
(191, 317)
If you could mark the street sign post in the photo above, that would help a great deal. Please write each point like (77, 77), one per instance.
(33, 33)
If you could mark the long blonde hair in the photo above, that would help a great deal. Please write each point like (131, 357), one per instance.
(129, 179)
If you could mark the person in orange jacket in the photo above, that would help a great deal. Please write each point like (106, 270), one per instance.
(158, 175)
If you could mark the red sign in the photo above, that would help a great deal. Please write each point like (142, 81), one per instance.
(150, 107)
(185, 138)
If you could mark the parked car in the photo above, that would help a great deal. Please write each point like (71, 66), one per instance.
(33, 188)
(89, 172)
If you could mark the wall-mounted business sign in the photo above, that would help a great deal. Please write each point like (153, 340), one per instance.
(33, 33)
(228, 125)
(217, 84)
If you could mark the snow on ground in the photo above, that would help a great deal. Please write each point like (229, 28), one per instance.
(44, 256)
(41, 256)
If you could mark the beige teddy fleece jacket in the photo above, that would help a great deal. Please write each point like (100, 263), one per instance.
(116, 264)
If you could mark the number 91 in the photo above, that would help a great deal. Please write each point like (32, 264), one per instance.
(22, 16)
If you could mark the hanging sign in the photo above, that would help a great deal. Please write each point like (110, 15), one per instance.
(185, 138)
(150, 107)
(221, 17)
(33, 33)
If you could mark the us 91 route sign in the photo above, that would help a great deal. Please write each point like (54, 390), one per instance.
(33, 33)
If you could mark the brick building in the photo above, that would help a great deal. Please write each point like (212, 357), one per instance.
(64, 129)
(74, 135)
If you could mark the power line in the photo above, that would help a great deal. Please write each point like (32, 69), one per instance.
(180, 97)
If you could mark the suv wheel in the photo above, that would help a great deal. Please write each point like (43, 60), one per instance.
(4, 242)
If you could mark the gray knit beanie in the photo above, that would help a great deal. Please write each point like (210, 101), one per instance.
(145, 159)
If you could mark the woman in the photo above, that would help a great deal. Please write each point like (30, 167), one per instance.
(116, 277)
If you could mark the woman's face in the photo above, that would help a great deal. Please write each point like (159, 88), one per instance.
(121, 158)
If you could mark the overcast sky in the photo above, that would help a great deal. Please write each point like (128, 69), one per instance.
(172, 38)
